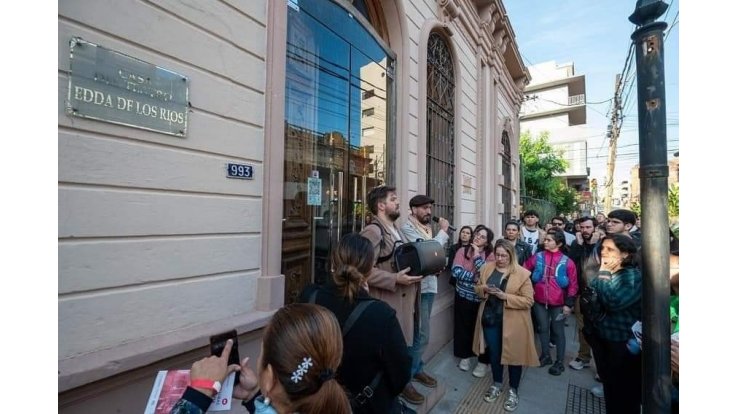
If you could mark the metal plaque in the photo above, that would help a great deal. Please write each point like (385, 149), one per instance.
(113, 87)
(243, 171)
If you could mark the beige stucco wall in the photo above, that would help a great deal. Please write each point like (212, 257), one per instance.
(151, 232)
(158, 250)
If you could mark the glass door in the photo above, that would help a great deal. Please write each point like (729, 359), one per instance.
(337, 133)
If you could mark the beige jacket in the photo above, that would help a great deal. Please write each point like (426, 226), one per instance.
(382, 280)
(518, 335)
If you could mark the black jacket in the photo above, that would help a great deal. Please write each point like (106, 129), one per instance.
(587, 258)
(374, 343)
(523, 251)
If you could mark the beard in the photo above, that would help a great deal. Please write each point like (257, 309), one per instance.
(425, 220)
(394, 215)
(587, 237)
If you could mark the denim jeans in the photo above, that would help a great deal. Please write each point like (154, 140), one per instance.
(494, 343)
(546, 317)
(421, 333)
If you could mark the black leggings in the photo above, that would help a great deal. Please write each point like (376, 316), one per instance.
(620, 372)
(465, 313)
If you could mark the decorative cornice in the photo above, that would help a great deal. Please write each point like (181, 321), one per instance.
(449, 8)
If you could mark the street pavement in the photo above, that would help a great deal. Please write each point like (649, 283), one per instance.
(539, 392)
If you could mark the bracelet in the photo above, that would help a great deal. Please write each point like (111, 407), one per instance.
(206, 384)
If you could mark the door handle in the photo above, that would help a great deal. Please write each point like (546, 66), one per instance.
(339, 203)
(363, 206)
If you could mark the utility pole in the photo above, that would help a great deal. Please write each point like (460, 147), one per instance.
(613, 131)
(649, 46)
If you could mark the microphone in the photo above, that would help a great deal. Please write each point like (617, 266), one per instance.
(437, 220)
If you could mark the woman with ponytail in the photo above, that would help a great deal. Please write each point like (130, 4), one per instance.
(375, 354)
(300, 353)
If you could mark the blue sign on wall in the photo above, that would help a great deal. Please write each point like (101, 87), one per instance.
(242, 171)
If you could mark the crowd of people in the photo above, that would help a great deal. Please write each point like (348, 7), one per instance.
(356, 343)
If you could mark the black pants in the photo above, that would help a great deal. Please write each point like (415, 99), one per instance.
(620, 372)
(465, 313)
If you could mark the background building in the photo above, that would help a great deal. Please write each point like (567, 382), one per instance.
(555, 102)
(672, 178)
(316, 102)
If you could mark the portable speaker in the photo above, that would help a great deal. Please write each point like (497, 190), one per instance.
(425, 257)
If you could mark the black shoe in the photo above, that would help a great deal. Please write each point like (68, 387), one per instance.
(557, 368)
(544, 361)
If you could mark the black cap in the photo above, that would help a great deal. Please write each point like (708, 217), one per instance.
(420, 200)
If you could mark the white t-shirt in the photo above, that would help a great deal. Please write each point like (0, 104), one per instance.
(530, 237)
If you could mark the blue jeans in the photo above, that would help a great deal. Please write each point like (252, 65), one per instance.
(421, 333)
(494, 343)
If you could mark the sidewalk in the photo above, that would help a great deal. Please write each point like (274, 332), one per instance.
(539, 391)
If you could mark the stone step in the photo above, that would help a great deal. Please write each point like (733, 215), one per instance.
(431, 397)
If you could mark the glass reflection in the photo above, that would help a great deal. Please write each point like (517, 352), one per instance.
(338, 90)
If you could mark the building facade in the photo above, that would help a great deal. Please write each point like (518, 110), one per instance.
(555, 102)
(212, 152)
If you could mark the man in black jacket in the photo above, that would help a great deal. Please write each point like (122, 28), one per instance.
(586, 255)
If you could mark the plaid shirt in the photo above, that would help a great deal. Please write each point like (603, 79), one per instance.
(621, 297)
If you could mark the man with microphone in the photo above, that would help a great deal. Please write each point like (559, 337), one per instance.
(418, 227)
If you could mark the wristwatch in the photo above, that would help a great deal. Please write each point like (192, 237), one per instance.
(206, 384)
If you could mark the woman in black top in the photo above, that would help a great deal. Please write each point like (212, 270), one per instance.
(465, 236)
(375, 342)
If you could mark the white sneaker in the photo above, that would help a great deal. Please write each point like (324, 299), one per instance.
(480, 370)
(464, 364)
(597, 390)
(577, 364)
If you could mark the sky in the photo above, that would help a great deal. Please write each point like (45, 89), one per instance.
(596, 37)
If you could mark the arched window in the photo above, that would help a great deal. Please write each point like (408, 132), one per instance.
(440, 126)
(506, 171)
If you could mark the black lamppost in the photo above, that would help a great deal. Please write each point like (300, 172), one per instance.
(653, 172)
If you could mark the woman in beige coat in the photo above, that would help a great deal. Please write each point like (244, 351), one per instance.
(503, 327)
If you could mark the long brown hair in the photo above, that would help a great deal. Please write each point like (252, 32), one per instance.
(304, 340)
(352, 261)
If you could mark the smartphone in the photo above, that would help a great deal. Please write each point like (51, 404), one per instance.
(217, 345)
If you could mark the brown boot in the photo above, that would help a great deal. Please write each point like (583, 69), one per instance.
(425, 379)
(411, 395)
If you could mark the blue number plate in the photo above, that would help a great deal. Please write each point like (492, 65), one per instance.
(243, 171)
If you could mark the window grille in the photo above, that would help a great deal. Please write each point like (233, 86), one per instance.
(440, 126)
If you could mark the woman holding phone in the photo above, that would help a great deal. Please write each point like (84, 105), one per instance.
(503, 327)
(300, 353)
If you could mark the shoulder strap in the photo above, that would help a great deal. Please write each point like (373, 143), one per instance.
(354, 315)
(382, 244)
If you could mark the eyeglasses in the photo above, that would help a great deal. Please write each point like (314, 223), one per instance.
(480, 236)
